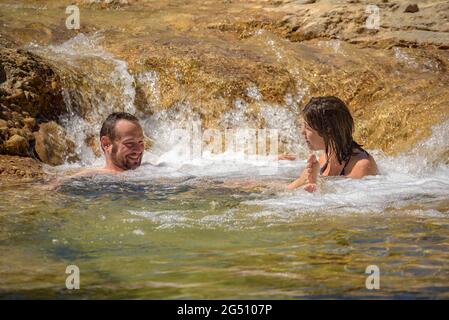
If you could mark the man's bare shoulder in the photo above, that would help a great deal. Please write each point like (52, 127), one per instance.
(82, 173)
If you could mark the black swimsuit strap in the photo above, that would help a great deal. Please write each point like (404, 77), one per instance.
(323, 168)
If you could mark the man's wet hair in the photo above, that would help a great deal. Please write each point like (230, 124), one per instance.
(108, 127)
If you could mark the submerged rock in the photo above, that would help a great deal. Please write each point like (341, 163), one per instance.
(22, 168)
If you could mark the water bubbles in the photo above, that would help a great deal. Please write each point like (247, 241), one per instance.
(420, 64)
(275, 49)
(334, 45)
(95, 84)
(254, 93)
(138, 232)
(148, 81)
(403, 57)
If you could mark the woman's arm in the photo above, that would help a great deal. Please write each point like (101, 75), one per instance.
(300, 181)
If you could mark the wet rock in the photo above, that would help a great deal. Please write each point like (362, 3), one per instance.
(52, 146)
(2, 74)
(412, 8)
(30, 123)
(4, 135)
(3, 123)
(17, 145)
(399, 27)
(30, 85)
(304, 1)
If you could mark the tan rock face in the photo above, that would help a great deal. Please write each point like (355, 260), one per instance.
(52, 146)
(395, 79)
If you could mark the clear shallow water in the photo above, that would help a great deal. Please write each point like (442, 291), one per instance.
(228, 230)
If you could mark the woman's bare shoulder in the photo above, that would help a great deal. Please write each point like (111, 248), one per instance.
(362, 164)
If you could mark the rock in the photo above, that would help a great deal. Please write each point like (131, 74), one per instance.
(15, 131)
(30, 123)
(30, 85)
(29, 89)
(3, 133)
(52, 146)
(28, 134)
(14, 168)
(2, 74)
(16, 117)
(412, 8)
(304, 1)
(17, 145)
(3, 123)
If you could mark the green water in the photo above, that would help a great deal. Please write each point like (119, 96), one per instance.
(185, 240)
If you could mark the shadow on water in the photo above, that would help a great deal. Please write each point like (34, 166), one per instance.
(92, 188)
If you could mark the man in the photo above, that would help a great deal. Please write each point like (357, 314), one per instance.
(122, 142)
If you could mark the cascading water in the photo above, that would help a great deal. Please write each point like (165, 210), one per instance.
(95, 85)
(418, 174)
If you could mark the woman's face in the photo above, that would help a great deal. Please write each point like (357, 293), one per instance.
(313, 139)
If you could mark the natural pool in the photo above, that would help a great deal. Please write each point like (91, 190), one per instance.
(227, 229)
(221, 228)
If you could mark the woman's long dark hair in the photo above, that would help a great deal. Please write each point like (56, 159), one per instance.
(331, 118)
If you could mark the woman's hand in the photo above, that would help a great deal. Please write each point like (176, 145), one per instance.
(312, 170)
(310, 187)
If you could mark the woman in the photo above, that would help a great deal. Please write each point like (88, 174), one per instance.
(328, 126)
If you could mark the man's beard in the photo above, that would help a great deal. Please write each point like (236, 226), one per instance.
(123, 162)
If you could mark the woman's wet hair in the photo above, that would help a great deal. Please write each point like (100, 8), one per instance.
(108, 127)
(333, 121)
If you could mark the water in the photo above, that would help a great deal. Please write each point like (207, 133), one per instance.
(226, 228)
(223, 225)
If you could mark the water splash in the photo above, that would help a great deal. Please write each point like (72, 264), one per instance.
(95, 84)
(148, 82)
